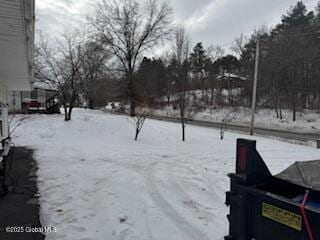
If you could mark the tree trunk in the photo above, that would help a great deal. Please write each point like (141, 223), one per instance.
(294, 96)
(69, 113)
(65, 113)
(276, 106)
(183, 130)
(280, 110)
(203, 89)
(230, 97)
(294, 106)
(182, 113)
(212, 86)
(131, 94)
(91, 103)
(132, 107)
(136, 136)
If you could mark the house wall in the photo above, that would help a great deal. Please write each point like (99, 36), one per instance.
(232, 83)
(14, 100)
(16, 43)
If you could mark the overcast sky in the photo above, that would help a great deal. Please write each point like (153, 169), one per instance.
(208, 21)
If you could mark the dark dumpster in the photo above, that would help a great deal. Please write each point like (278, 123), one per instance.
(265, 207)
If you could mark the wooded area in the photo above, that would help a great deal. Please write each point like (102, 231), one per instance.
(288, 73)
(105, 62)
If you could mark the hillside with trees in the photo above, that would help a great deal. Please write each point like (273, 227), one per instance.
(288, 76)
(113, 63)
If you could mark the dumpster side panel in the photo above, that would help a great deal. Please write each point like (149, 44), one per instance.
(272, 218)
(271, 226)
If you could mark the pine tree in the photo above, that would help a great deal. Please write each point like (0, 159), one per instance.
(151, 79)
(198, 58)
(297, 16)
(199, 62)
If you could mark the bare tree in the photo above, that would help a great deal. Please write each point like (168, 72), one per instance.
(238, 44)
(139, 121)
(61, 66)
(166, 57)
(215, 52)
(142, 113)
(227, 118)
(181, 54)
(130, 27)
(15, 122)
(94, 68)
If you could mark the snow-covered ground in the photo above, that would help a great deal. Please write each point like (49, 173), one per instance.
(97, 183)
(307, 121)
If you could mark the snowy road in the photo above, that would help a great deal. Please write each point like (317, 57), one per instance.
(298, 135)
(96, 182)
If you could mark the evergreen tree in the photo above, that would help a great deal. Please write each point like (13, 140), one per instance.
(198, 59)
(200, 63)
(151, 79)
(297, 16)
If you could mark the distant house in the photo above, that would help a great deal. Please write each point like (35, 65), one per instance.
(42, 99)
(230, 81)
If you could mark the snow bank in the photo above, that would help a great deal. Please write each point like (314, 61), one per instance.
(307, 121)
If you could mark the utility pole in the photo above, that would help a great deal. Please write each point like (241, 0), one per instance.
(254, 91)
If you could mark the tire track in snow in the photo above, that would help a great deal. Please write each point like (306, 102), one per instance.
(179, 221)
(149, 232)
(214, 194)
(207, 213)
(201, 177)
(148, 172)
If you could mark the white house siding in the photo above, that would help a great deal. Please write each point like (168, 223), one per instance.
(17, 19)
(14, 100)
(16, 43)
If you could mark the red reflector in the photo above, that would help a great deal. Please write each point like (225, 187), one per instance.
(242, 158)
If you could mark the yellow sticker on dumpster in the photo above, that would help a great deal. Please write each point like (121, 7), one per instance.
(282, 216)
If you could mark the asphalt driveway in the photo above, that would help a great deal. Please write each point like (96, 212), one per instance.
(19, 210)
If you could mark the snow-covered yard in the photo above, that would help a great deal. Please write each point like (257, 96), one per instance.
(97, 183)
